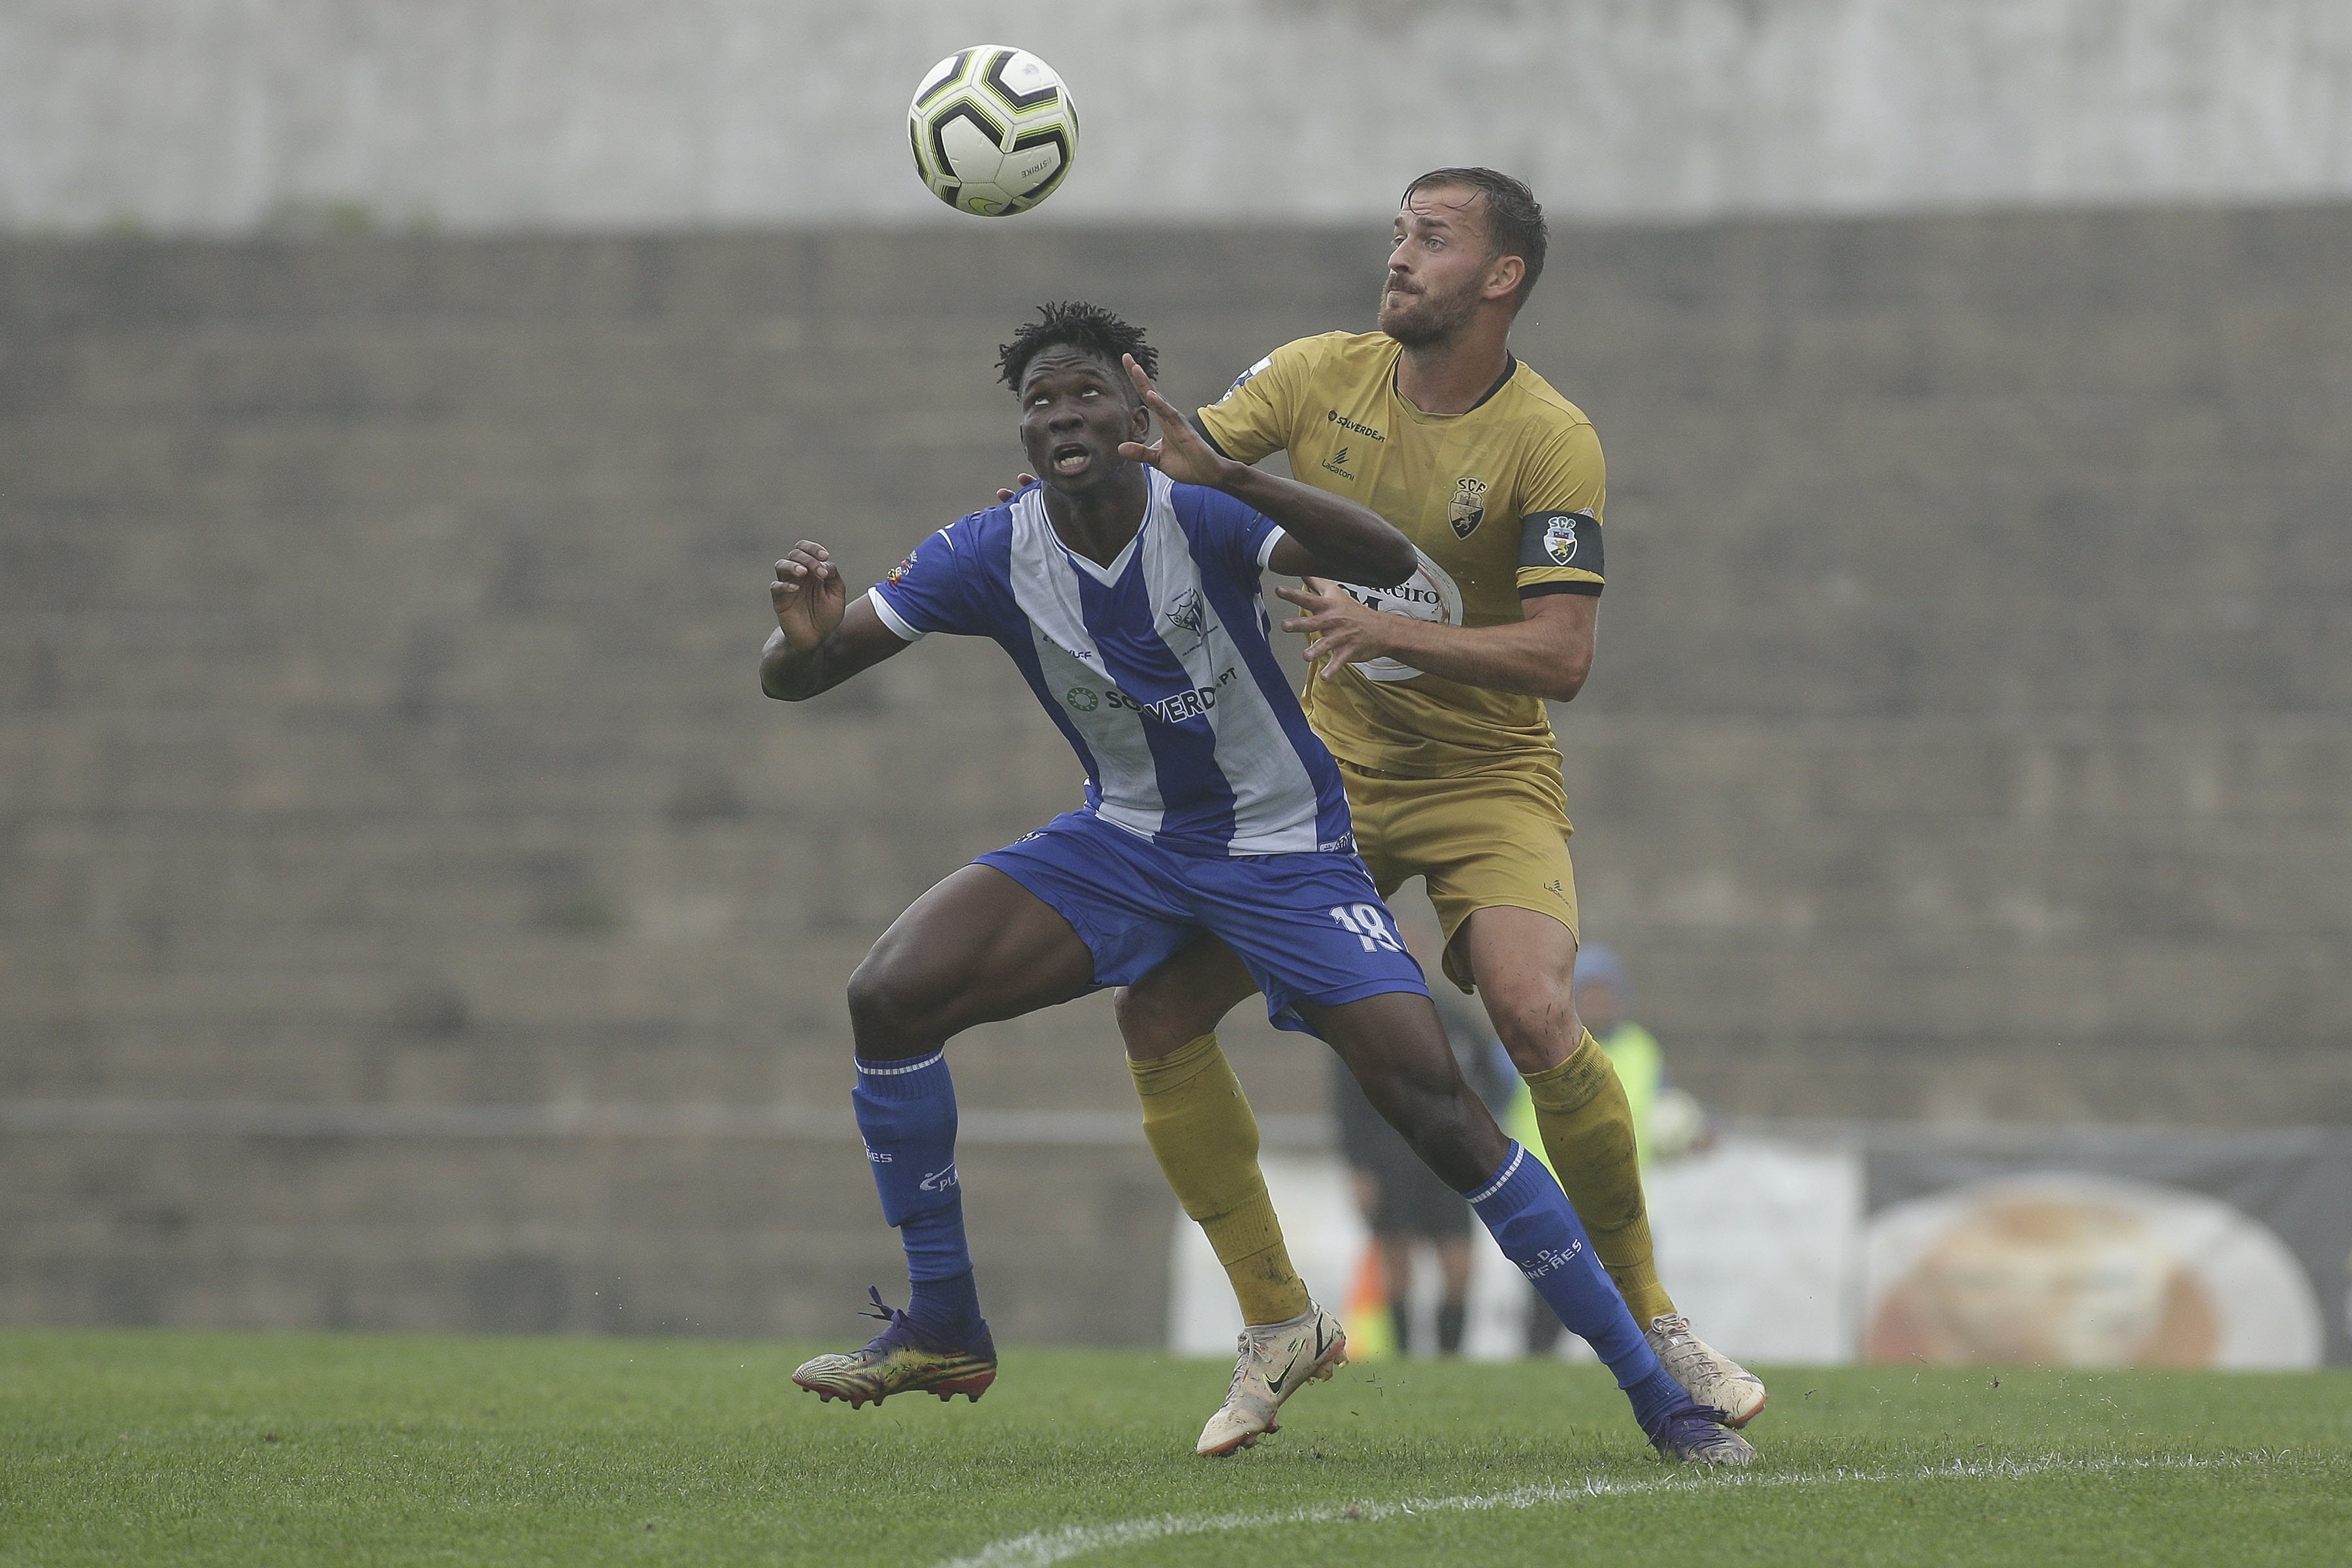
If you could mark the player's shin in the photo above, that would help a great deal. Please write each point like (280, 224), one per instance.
(1587, 1135)
(1205, 1137)
(1531, 1221)
(907, 1115)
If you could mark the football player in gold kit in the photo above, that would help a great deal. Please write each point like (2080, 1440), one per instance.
(1431, 693)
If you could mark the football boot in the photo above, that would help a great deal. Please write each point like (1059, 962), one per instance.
(1706, 1374)
(901, 1359)
(1276, 1361)
(1695, 1435)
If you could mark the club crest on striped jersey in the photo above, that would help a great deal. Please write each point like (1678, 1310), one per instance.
(1186, 620)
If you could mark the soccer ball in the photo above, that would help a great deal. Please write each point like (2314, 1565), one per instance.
(994, 130)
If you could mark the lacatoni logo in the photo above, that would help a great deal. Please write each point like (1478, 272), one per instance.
(1547, 1261)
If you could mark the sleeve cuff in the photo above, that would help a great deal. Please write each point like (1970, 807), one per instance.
(1273, 536)
(890, 617)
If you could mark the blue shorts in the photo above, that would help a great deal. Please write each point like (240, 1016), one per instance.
(1309, 926)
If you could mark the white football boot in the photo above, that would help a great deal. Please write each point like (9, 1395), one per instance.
(1276, 1361)
(1706, 1374)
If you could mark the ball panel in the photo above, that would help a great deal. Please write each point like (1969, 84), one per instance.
(941, 78)
(1020, 79)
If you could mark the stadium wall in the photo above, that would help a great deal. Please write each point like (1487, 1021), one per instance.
(412, 915)
(222, 116)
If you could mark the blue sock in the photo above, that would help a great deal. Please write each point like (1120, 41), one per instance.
(907, 1114)
(1531, 1221)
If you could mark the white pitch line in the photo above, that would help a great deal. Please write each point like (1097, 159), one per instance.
(1040, 1548)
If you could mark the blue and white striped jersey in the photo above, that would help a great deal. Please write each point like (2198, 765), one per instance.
(1156, 668)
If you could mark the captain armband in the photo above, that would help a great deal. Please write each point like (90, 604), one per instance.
(1560, 553)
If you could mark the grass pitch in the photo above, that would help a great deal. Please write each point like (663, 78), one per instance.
(121, 1447)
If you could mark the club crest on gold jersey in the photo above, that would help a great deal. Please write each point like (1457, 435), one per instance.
(1469, 507)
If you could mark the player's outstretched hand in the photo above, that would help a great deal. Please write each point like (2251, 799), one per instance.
(809, 594)
(1020, 482)
(1345, 632)
(1179, 453)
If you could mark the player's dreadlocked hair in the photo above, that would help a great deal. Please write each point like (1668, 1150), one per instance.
(1077, 325)
(1514, 222)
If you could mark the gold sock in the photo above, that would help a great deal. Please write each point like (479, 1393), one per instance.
(1588, 1132)
(1205, 1138)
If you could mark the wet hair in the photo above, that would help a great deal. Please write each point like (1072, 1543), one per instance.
(1073, 324)
(1514, 220)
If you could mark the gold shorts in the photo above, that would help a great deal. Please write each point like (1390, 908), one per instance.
(1486, 840)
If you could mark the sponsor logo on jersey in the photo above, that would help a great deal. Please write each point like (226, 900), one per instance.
(1337, 463)
(1559, 539)
(1429, 594)
(1084, 699)
(938, 1180)
(899, 571)
(1415, 596)
(1469, 507)
(1183, 705)
(1333, 417)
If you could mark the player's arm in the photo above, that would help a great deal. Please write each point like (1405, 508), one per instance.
(1547, 654)
(1322, 531)
(821, 639)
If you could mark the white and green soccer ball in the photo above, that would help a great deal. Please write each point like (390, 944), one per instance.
(994, 130)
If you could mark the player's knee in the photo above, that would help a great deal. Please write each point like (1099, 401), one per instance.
(1151, 1021)
(888, 1006)
(1537, 1028)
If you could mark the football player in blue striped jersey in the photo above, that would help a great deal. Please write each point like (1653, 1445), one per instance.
(1126, 587)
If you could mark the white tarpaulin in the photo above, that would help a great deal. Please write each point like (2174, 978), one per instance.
(1758, 1239)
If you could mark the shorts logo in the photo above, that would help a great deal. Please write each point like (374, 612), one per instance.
(938, 1180)
(1083, 699)
(1559, 539)
(878, 1158)
(1469, 507)
(1343, 845)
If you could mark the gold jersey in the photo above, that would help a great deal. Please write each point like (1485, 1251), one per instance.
(1502, 504)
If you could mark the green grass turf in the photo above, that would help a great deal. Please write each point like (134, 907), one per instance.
(214, 1449)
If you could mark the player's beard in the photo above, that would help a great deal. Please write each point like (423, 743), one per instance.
(1426, 319)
